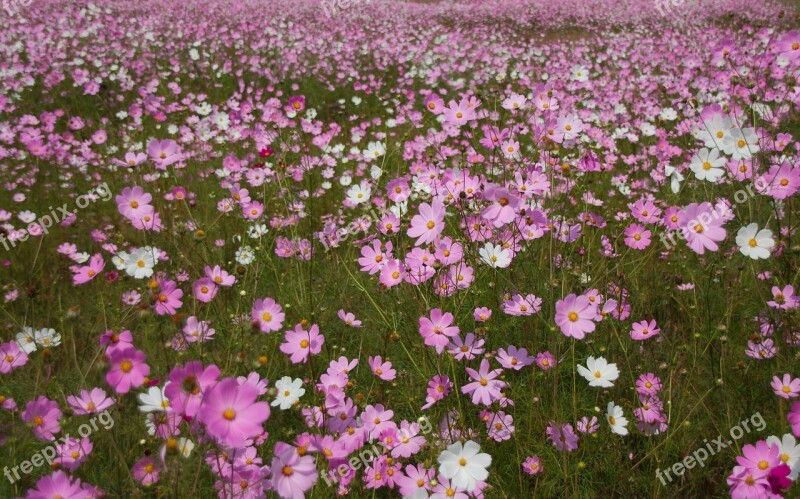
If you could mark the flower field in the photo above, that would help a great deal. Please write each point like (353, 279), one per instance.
(441, 249)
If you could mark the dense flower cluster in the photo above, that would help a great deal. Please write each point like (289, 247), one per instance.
(406, 250)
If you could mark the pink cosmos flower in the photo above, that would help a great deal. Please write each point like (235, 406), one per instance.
(382, 369)
(637, 237)
(86, 273)
(503, 209)
(393, 273)
(58, 484)
(781, 182)
(794, 418)
(438, 388)
(648, 384)
(514, 358)
(546, 361)
(296, 103)
(702, 226)
(644, 330)
(532, 465)
(292, 474)
(268, 314)
(374, 256)
(187, 384)
(164, 153)
(787, 387)
(72, 453)
(204, 289)
(562, 436)
(167, 298)
(128, 369)
(482, 314)
(11, 357)
(231, 413)
(760, 458)
(219, 276)
(458, 114)
(437, 329)
(416, 481)
(784, 299)
(428, 224)
(349, 319)
(299, 344)
(434, 103)
(146, 470)
(134, 203)
(468, 349)
(90, 402)
(43, 415)
(485, 388)
(574, 316)
(376, 419)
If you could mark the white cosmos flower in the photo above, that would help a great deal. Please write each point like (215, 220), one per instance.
(789, 451)
(598, 372)
(464, 465)
(140, 264)
(289, 392)
(358, 194)
(245, 255)
(708, 165)
(374, 150)
(47, 338)
(26, 340)
(741, 143)
(755, 243)
(495, 256)
(616, 420)
(675, 178)
(154, 400)
(120, 260)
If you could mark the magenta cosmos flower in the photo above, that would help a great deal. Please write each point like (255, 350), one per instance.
(128, 369)
(437, 330)
(428, 224)
(794, 418)
(231, 413)
(43, 415)
(59, 484)
(301, 343)
(292, 474)
(644, 330)
(168, 299)
(574, 316)
(268, 314)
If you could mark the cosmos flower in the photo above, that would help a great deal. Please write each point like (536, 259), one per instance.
(464, 465)
(231, 413)
(598, 372)
(574, 315)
